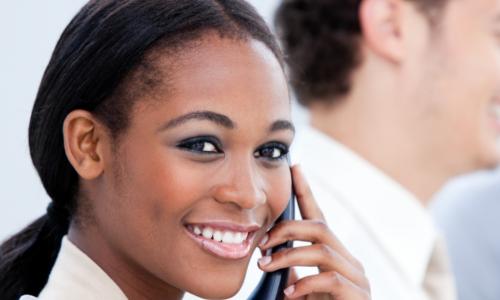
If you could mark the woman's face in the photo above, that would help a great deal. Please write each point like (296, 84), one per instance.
(200, 174)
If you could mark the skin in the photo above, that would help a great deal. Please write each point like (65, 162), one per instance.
(423, 97)
(163, 173)
(340, 276)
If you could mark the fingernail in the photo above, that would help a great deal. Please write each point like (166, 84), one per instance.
(264, 260)
(264, 240)
(289, 290)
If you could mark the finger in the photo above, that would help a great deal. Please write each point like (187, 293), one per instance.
(331, 283)
(263, 251)
(318, 255)
(292, 277)
(316, 232)
(294, 230)
(308, 207)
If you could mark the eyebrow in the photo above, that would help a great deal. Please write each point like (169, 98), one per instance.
(221, 120)
(282, 125)
(214, 117)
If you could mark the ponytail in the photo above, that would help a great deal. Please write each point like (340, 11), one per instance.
(27, 258)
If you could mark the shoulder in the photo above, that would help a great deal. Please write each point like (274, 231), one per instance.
(470, 202)
(28, 297)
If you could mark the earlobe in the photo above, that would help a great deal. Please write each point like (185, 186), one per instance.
(381, 25)
(83, 143)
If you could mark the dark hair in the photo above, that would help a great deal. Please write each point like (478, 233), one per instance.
(92, 68)
(321, 41)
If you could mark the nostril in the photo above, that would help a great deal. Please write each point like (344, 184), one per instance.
(243, 196)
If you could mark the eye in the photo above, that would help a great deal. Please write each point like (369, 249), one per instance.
(204, 145)
(272, 151)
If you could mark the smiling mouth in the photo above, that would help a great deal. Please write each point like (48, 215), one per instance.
(222, 240)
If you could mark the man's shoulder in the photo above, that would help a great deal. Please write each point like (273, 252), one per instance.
(472, 199)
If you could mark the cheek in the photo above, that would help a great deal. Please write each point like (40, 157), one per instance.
(279, 191)
(481, 68)
(151, 189)
(165, 186)
(152, 193)
(468, 83)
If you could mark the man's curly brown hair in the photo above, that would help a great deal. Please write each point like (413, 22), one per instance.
(321, 42)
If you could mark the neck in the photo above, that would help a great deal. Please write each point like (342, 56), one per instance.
(380, 125)
(380, 150)
(134, 281)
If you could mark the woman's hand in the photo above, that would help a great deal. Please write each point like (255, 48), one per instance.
(340, 276)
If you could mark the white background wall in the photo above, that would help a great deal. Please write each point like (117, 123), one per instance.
(29, 30)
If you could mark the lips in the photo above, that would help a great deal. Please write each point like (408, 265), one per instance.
(225, 240)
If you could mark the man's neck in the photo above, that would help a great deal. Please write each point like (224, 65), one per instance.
(373, 135)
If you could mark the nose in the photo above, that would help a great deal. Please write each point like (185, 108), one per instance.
(242, 186)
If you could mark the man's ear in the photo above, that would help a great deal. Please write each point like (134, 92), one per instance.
(381, 23)
(84, 139)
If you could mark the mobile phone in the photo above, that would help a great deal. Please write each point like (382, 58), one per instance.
(272, 284)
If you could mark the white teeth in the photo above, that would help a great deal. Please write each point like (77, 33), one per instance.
(197, 230)
(241, 236)
(218, 236)
(238, 237)
(207, 232)
(227, 237)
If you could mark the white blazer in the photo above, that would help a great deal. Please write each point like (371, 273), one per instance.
(76, 276)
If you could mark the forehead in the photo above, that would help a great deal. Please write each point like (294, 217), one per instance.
(240, 78)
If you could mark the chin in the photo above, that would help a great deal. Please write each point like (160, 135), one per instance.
(489, 158)
(217, 287)
(216, 293)
(491, 162)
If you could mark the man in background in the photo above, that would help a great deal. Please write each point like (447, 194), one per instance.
(402, 95)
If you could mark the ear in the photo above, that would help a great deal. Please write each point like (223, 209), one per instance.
(84, 140)
(381, 24)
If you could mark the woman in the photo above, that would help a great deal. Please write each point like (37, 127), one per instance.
(160, 132)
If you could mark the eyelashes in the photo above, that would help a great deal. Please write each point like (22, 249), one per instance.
(201, 145)
(272, 151)
(211, 146)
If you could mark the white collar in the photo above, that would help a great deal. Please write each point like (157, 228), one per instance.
(76, 276)
(391, 214)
